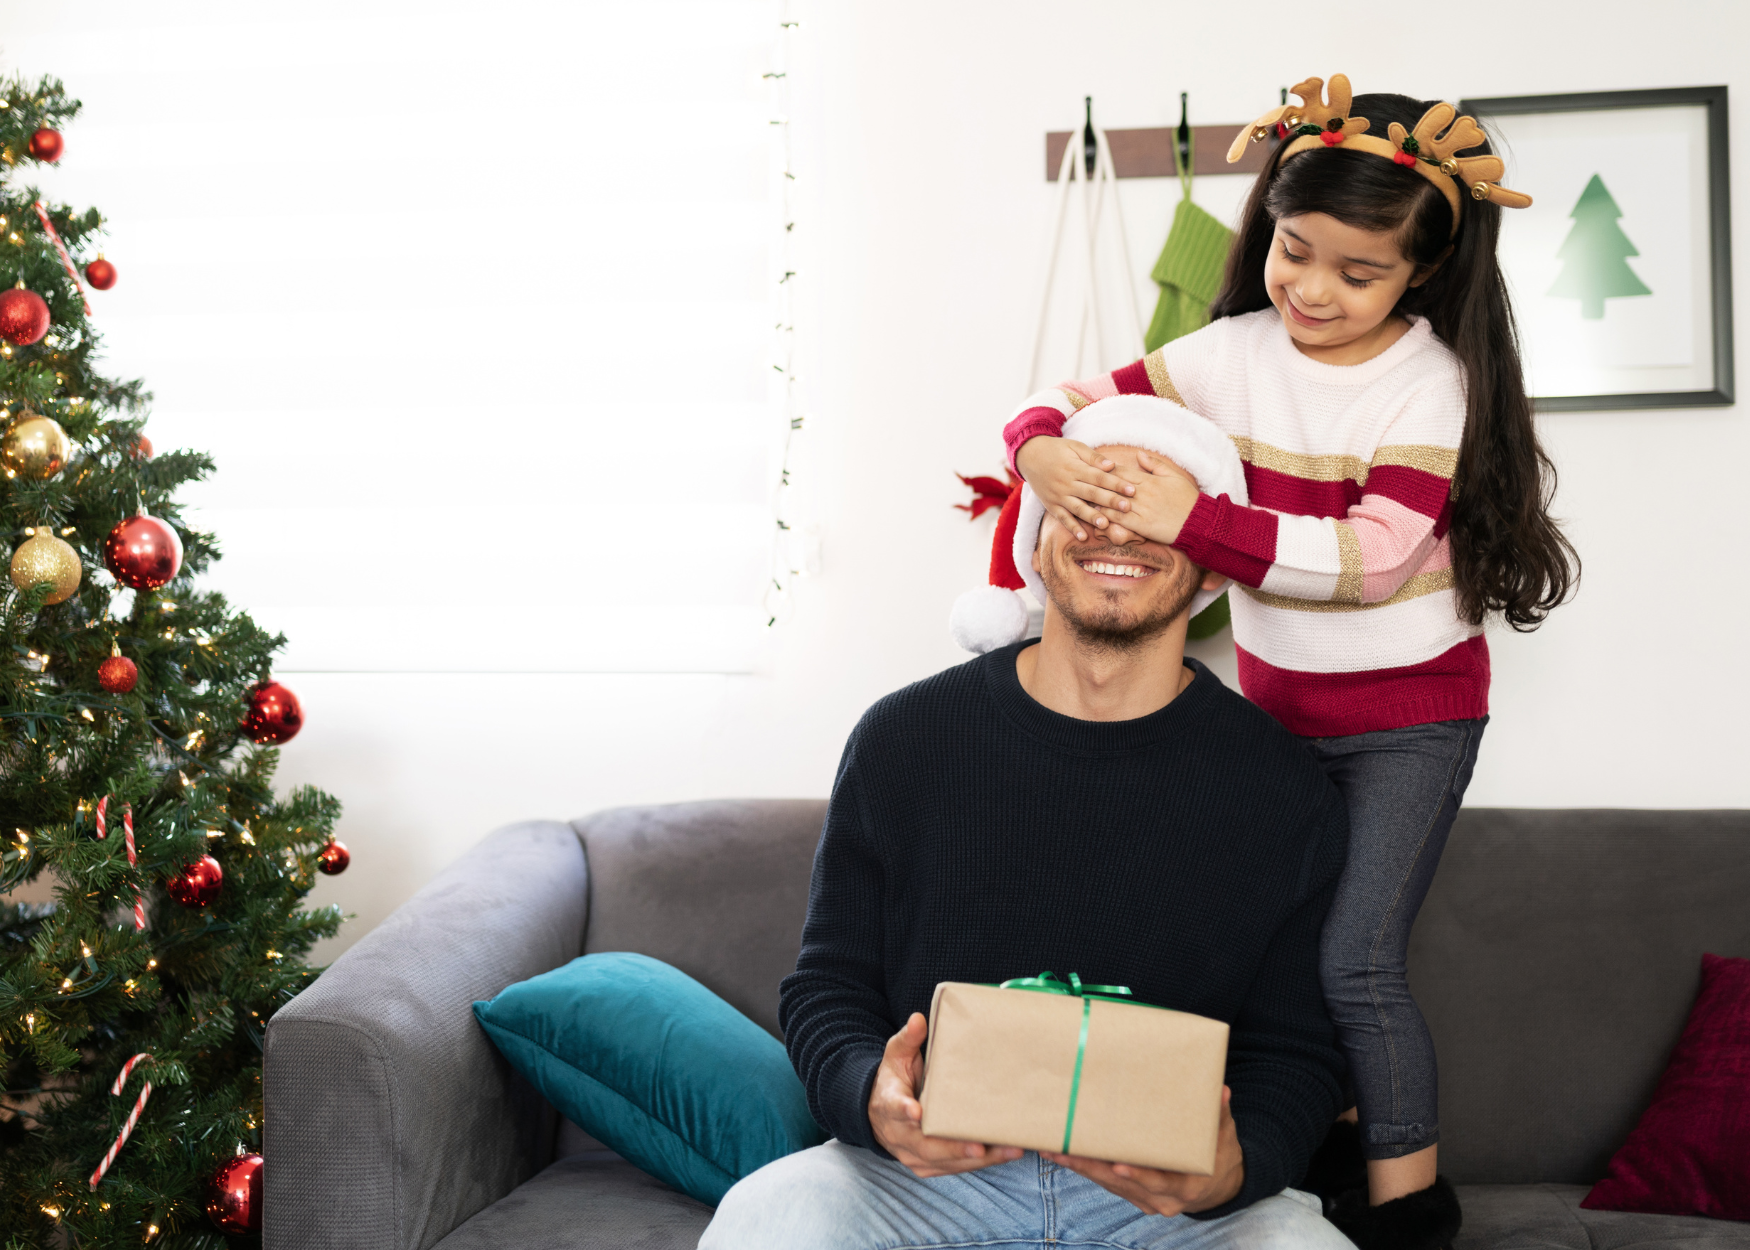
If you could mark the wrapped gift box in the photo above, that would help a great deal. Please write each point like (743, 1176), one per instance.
(1015, 1067)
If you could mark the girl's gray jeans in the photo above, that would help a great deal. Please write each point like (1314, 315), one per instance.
(1403, 788)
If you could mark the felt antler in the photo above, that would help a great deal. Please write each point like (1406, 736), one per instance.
(1330, 116)
(1440, 135)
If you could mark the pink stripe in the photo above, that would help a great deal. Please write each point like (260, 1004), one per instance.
(1102, 387)
(1452, 686)
(1394, 542)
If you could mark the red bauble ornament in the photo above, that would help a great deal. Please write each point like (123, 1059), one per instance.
(100, 274)
(199, 883)
(234, 1195)
(142, 448)
(24, 318)
(117, 674)
(46, 145)
(274, 715)
(333, 858)
(143, 552)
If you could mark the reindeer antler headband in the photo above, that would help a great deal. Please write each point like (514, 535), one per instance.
(1428, 149)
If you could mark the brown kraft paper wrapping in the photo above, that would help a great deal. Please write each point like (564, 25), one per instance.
(1000, 1065)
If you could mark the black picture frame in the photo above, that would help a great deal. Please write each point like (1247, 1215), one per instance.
(1719, 226)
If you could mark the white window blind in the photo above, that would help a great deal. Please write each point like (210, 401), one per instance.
(473, 306)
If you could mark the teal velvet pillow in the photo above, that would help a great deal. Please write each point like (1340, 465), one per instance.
(655, 1065)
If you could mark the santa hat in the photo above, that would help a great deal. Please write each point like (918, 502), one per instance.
(995, 615)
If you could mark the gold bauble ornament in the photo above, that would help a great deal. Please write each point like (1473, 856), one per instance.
(35, 447)
(45, 558)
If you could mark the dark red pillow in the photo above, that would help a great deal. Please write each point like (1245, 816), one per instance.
(1690, 1154)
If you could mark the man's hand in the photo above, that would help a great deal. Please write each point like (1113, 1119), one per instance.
(1171, 1193)
(1073, 482)
(1161, 504)
(896, 1115)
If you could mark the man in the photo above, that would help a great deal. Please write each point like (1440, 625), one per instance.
(1094, 802)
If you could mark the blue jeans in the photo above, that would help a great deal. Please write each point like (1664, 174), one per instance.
(838, 1197)
(1403, 788)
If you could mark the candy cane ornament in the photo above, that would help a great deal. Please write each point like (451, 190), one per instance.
(66, 260)
(128, 840)
(133, 1116)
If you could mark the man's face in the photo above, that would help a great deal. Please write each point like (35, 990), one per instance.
(1115, 594)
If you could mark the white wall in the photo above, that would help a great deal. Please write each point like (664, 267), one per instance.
(921, 134)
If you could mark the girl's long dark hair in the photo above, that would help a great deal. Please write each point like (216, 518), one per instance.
(1508, 554)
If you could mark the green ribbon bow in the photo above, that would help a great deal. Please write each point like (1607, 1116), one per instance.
(1051, 983)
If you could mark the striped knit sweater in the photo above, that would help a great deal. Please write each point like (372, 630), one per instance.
(1347, 620)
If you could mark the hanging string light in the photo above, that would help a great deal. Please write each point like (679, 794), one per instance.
(776, 600)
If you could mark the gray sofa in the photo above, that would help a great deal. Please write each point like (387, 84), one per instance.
(1556, 960)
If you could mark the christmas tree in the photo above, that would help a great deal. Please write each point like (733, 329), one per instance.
(1595, 254)
(132, 780)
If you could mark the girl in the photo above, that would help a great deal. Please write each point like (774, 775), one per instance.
(1363, 358)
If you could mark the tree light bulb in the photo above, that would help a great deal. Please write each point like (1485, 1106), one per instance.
(151, 964)
(66, 984)
(86, 949)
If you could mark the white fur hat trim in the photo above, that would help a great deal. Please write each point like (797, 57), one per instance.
(987, 618)
(1153, 424)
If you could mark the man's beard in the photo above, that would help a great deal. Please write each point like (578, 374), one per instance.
(1104, 626)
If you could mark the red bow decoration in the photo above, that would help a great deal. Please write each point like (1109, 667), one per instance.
(988, 493)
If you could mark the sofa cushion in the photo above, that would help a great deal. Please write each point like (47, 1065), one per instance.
(656, 1066)
(586, 1201)
(1549, 1217)
(1690, 1154)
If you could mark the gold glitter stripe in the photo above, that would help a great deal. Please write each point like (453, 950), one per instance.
(1440, 461)
(1297, 464)
(1419, 585)
(1348, 565)
(1158, 377)
(1077, 400)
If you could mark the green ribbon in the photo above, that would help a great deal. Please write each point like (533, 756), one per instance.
(1051, 983)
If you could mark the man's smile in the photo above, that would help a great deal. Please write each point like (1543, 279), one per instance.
(1108, 568)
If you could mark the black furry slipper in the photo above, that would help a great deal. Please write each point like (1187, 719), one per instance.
(1425, 1220)
(1337, 1166)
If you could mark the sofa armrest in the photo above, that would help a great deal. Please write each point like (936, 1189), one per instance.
(390, 1118)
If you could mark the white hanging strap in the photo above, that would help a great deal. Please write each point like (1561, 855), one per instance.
(1109, 171)
(1065, 173)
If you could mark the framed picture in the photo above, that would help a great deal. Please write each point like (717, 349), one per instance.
(1621, 270)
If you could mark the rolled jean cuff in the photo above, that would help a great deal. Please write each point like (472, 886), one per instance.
(1394, 1141)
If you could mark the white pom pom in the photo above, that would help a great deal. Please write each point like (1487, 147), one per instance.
(988, 618)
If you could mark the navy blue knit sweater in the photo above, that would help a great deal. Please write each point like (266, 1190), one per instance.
(975, 835)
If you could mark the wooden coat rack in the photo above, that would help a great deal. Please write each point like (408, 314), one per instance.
(1148, 153)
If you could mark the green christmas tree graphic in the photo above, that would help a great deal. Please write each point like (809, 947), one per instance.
(1595, 255)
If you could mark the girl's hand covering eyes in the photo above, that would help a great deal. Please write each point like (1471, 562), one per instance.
(1074, 483)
